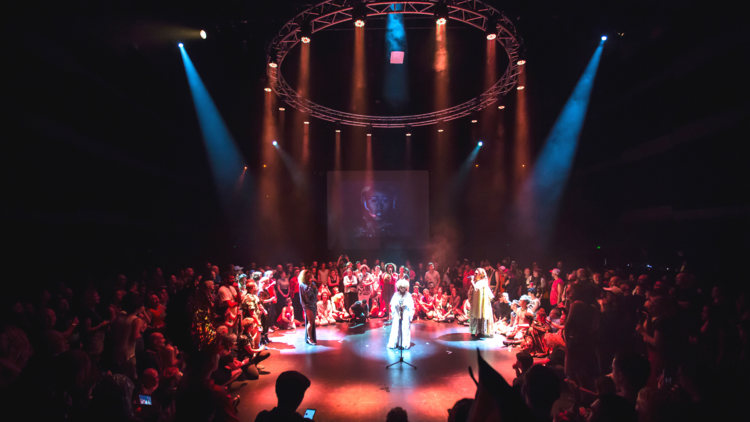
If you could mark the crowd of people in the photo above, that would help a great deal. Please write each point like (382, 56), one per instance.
(158, 348)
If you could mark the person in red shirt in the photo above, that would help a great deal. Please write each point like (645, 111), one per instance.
(388, 282)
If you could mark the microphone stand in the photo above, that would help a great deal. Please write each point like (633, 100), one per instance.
(400, 339)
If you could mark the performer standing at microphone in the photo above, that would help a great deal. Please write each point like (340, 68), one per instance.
(402, 311)
(482, 323)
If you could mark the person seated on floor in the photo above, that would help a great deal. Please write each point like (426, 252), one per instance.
(505, 327)
(249, 347)
(426, 305)
(378, 306)
(290, 391)
(230, 369)
(443, 311)
(516, 335)
(339, 310)
(438, 294)
(501, 310)
(533, 342)
(325, 311)
(415, 295)
(463, 317)
(286, 319)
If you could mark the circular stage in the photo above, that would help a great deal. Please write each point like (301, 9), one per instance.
(350, 381)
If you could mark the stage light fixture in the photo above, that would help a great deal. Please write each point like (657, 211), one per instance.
(282, 109)
(306, 122)
(520, 88)
(476, 165)
(441, 13)
(273, 61)
(440, 130)
(369, 134)
(267, 89)
(203, 34)
(474, 121)
(245, 167)
(338, 130)
(408, 134)
(359, 14)
(275, 143)
(480, 143)
(501, 107)
(491, 30)
(179, 45)
(604, 38)
(305, 32)
(521, 62)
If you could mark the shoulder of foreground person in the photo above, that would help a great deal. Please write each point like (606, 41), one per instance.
(278, 415)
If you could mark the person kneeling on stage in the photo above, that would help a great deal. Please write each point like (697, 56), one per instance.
(339, 310)
(402, 311)
(248, 347)
(358, 313)
(325, 311)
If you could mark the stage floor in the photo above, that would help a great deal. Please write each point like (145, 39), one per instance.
(350, 381)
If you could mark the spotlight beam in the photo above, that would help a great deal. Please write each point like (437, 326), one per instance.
(542, 191)
(224, 156)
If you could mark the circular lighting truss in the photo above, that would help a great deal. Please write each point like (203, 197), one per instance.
(332, 12)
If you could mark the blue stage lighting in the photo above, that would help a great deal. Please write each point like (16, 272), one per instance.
(481, 143)
(604, 38)
(179, 45)
(275, 143)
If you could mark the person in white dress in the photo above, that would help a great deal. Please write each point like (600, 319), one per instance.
(402, 300)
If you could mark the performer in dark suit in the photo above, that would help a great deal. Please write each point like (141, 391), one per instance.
(308, 294)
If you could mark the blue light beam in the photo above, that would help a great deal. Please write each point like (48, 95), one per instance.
(224, 157)
(541, 193)
(395, 91)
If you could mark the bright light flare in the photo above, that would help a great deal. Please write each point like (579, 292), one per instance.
(179, 45)
(203, 34)
(520, 88)
(282, 109)
(441, 21)
(305, 40)
(273, 65)
(491, 36)
(408, 134)
(359, 23)
(521, 62)
(480, 143)
(474, 121)
(501, 107)
(267, 89)
(306, 122)
(275, 143)
(604, 38)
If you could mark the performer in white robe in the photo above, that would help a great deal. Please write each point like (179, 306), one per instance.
(401, 298)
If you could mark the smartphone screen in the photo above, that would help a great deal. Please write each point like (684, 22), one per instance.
(309, 414)
(146, 400)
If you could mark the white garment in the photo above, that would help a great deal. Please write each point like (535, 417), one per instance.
(408, 304)
(350, 283)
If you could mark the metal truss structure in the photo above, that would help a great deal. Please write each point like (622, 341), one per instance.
(332, 12)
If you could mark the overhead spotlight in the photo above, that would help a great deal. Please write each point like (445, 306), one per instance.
(480, 143)
(408, 134)
(521, 62)
(275, 143)
(306, 122)
(501, 107)
(179, 45)
(359, 14)
(264, 166)
(477, 165)
(267, 89)
(441, 13)
(305, 32)
(369, 134)
(338, 130)
(440, 130)
(282, 109)
(245, 167)
(203, 34)
(474, 121)
(520, 88)
(491, 30)
(604, 38)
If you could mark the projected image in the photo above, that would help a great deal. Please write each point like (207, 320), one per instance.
(378, 209)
